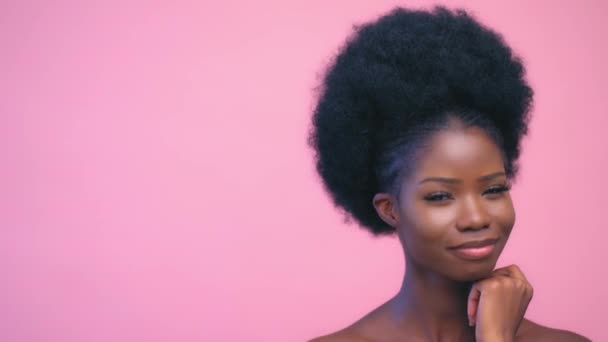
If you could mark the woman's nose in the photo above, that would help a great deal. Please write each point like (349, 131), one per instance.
(473, 215)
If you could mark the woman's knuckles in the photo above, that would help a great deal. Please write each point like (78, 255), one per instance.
(501, 284)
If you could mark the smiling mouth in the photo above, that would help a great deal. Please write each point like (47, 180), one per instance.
(475, 250)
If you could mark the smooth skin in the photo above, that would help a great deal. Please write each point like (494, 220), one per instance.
(457, 192)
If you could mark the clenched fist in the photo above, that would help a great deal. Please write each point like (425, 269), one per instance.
(496, 305)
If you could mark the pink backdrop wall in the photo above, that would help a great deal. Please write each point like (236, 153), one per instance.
(156, 186)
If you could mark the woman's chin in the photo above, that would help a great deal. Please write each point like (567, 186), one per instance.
(473, 272)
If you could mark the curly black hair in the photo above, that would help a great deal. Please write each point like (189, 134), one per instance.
(400, 78)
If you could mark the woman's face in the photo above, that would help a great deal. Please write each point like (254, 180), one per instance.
(457, 193)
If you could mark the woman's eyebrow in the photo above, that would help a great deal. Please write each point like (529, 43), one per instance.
(455, 180)
(440, 180)
(491, 176)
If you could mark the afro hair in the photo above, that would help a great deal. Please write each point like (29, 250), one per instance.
(395, 81)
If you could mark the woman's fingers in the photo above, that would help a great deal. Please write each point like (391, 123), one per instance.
(498, 303)
(515, 272)
(512, 271)
(473, 303)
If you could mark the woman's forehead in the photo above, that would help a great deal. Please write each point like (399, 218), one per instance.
(460, 152)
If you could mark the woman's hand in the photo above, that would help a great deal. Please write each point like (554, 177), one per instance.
(496, 305)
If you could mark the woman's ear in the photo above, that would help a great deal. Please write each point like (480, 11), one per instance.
(386, 207)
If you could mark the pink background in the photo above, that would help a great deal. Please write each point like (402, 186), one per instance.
(156, 185)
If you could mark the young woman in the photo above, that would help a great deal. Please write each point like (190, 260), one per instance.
(417, 132)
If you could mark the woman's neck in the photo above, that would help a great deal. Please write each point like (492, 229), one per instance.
(433, 306)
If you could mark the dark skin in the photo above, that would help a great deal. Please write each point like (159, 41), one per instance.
(458, 192)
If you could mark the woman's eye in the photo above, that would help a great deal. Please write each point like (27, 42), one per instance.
(497, 189)
(438, 196)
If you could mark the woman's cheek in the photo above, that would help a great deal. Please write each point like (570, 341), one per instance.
(504, 213)
(433, 222)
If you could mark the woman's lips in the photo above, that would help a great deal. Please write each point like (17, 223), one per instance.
(474, 253)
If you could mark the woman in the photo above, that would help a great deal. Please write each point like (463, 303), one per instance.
(417, 133)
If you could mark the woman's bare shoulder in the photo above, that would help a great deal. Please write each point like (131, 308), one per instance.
(356, 332)
(341, 336)
(365, 329)
(532, 331)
